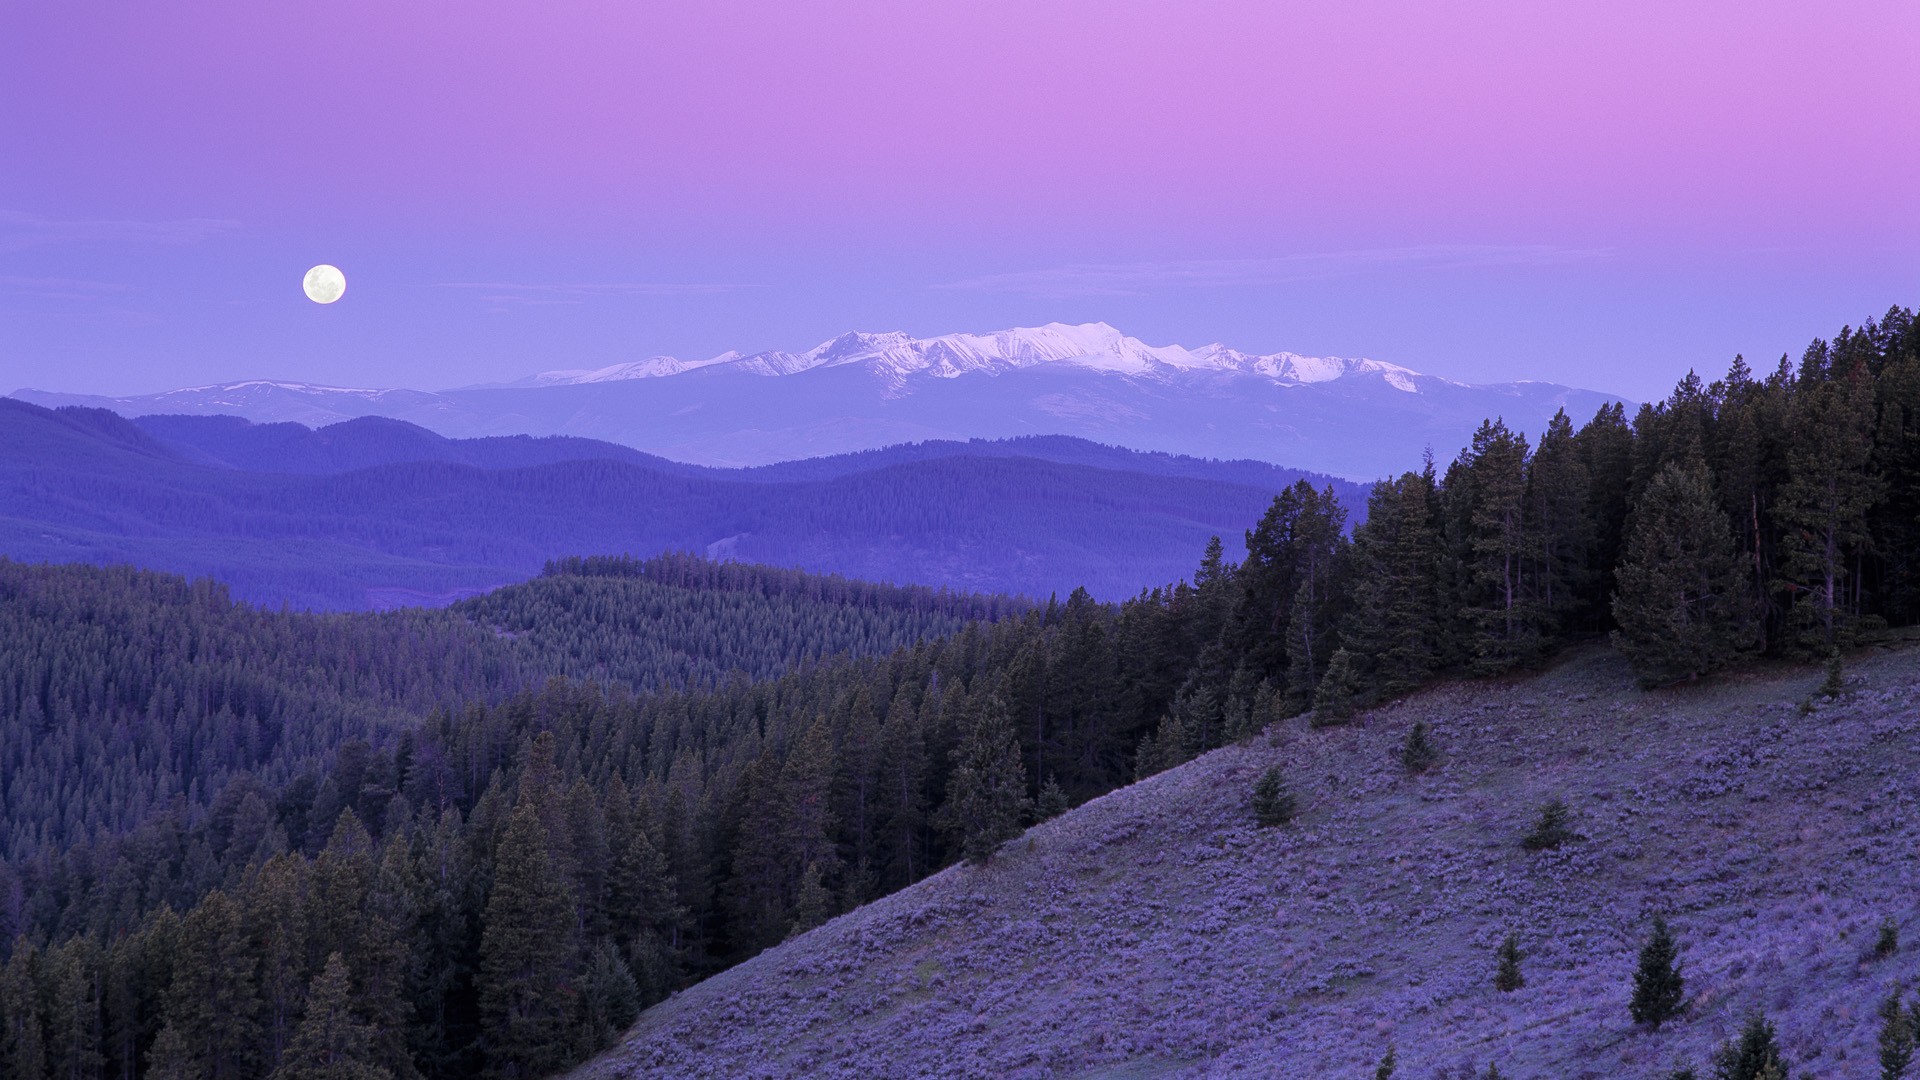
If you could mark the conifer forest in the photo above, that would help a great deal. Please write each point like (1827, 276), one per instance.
(240, 843)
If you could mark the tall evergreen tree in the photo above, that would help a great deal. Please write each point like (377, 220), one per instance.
(1559, 532)
(1392, 624)
(331, 1042)
(1897, 1038)
(1320, 556)
(986, 791)
(1501, 611)
(1680, 607)
(1828, 491)
(23, 1035)
(525, 956)
(1606, 449)
(75, 1022)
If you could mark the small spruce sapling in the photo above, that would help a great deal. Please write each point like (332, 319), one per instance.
(1755, 1055)
(1273, 804)
(1551, 830)
(1507, 977)
(1052, 801)
(1835, 685)
(1888, 942)
(1417, 753)
(813, 905)
(1658, 987)
(1897, 1037)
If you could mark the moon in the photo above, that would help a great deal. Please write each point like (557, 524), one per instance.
(324, 284)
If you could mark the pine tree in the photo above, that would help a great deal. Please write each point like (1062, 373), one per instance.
(525, 953)
(1835, 685)
(331, 1042)
(807, 831)
(986, 790)
(22, 1016)
(1417, 753)
(1755, 1055)
(1320, 551)
(1897, 1037)
(1503, 615)
(1507, 977)
(1052, 801)
(213, 1002)
(278, 920)
(1551, 830)
(901, 797)
(75, 1024)
(1392, 622)
(609, 997)
(1680, 609)
(1829, 490)
(1888, 940)
(1559, 532)
(1272, 803)
(1606, 449)
(1658, 987)
(1339, 692)
(813, 905)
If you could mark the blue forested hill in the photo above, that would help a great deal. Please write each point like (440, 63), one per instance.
(379, 513)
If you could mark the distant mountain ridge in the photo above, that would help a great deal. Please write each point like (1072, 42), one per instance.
(376, 512)
(1360, 419)
(896, 357)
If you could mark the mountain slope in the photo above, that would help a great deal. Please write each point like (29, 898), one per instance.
(1360, 419)
(426, 520)
(1158, 932)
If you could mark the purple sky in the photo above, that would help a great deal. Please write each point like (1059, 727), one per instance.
(1596, 193)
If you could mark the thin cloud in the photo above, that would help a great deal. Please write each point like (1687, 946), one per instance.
(21, 230)
(574, 292)
(1129, 279)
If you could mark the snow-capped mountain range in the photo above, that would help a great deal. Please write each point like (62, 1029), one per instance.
(897, 358)
(1355, 418)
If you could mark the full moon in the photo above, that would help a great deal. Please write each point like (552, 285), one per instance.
(324, 284)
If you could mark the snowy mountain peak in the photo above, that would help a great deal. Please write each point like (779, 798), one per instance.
(897, 358)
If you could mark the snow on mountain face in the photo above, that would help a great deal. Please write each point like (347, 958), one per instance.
(896, 358)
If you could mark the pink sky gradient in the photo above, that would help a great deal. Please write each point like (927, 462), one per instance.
(936, 142)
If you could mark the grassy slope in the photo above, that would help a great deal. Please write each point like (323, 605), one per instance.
(1156, 931)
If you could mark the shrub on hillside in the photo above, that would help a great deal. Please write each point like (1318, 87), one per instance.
(1888, 942)
(1507, 977)
(1417, 753)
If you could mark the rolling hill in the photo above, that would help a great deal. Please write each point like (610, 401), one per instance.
(378, 513)
(1159, 932)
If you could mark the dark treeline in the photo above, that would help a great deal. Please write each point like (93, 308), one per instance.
(520, 876)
